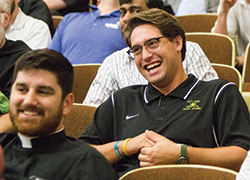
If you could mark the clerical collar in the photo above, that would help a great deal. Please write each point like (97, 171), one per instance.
(32, 142)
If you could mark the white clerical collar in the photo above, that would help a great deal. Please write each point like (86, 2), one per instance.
(26, 141)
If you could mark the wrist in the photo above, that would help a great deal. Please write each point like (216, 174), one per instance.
(124, 147)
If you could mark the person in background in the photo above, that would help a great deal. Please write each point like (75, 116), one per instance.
(233, 20)
(175, 118)
(62, 7)
(40, 98)
(185, 7)
(10, 51)
(34, 32)
(37, 9)
(89, 37)
(119, 70)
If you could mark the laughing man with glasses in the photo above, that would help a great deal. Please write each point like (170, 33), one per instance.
(175, 118)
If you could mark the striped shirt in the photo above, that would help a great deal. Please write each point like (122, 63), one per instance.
(119, 70)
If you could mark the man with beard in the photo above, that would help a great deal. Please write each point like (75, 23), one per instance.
(40, 98)
(10, 51)
(34, 32)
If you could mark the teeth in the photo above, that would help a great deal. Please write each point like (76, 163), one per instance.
(30, 113)
(151, 66)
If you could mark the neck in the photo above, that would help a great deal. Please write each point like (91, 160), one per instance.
(108, 6)
(173, 83)
(14, 15)
(3, 42)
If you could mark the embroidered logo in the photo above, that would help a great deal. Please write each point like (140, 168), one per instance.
(130, 117)
(112, 26)
(192, 105)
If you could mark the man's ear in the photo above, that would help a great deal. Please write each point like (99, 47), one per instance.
(178, 43)
(68, 103)
(6, 19)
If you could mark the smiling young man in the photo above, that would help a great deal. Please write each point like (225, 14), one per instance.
(119, 70)
(175, 118)
(40, 98)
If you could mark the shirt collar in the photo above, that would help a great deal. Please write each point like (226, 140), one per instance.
(34, 142)
(96, 11)
(182, 91)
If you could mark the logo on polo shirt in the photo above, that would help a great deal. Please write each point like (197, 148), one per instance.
(192, 105)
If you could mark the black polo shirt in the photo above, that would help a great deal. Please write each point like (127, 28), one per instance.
(197, 113)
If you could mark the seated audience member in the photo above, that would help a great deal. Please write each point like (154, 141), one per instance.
(40, 98)
(244, 173)
(233, 20)
(185, 7)
(119, 69)
(34, 32)
(175, 118)
(62, 7)
(89, 37)
(10, 51)
(37, 9)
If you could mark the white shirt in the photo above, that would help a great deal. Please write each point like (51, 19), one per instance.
(244, 173)
(191, 7)
(238, 23)
(34, 32)
(118, 71)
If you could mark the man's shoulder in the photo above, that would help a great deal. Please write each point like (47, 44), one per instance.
(17, 46)
(82, 149)
(217, 85)
(6, 138)
(133, 90)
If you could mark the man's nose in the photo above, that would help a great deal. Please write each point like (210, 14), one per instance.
(30, 98)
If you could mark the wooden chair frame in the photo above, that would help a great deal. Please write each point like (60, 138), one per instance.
(84, 74)
(197, 22)
(206, 42)
(56, 20)
(78, 119)
(246, 70)
(228, 73)
(180, 172)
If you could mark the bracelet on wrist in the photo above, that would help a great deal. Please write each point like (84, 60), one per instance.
(124, 147)
(117, 150)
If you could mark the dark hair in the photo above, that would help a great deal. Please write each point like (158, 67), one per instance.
(150, 3)
(49, 60)
(165, 22)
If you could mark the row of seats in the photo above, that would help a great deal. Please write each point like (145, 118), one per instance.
(203, 22)
(81, 115)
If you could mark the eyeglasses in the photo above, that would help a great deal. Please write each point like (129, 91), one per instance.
(151, 45)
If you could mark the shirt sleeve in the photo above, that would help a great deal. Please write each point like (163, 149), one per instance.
(56, 42)
(232, 122)
(244, 173)
(103, 85)
(232, 21)
(40, 37)
(4, 104)
(197, 63)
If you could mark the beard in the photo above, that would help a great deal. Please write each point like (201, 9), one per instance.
(36, 127)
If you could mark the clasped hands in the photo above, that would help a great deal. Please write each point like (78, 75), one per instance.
(153, 148)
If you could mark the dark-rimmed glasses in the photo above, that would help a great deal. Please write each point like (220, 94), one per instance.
(151, 45)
